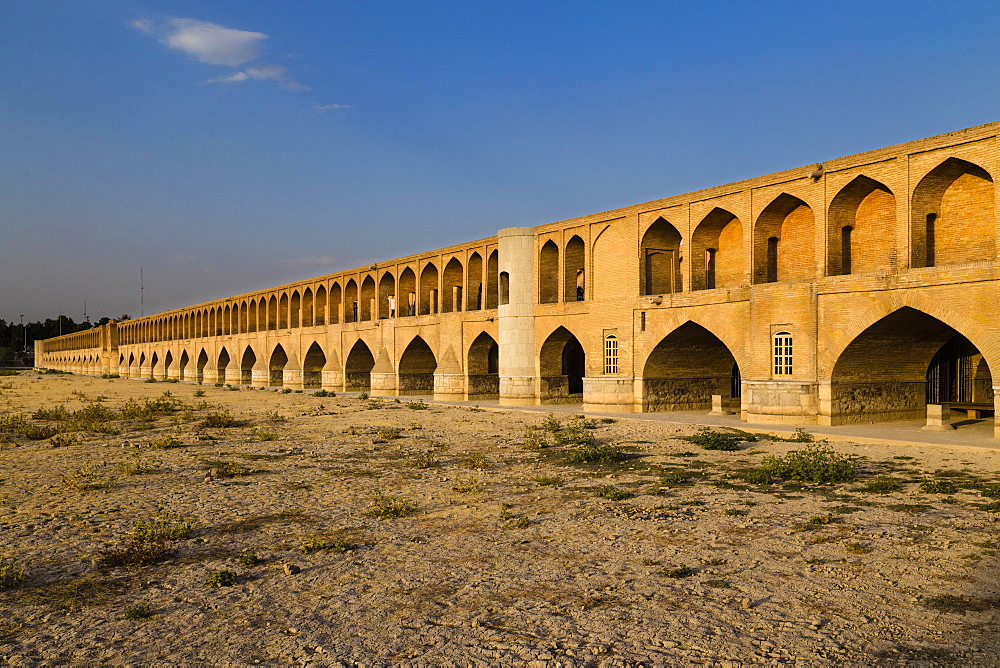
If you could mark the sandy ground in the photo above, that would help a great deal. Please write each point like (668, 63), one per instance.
(509, 556)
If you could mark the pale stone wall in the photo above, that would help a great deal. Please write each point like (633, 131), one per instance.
(868, 264)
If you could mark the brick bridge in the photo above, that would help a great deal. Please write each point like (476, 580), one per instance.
(858, 290)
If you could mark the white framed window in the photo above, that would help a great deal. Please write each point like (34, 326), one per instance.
(782, 354)
(610, 354)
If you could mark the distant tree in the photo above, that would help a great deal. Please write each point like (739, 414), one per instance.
(124, 316)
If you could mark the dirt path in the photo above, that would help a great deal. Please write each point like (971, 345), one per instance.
(501, 554)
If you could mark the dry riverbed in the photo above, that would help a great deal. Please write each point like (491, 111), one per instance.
(176, 523)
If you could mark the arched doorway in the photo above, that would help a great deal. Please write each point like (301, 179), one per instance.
(562, 366)
(358, 368)
(483, 368)
(312, 367)
(686, 368)
(898, 365)
(246, 366)
(276, 366)
(221, 367)
(416, 368)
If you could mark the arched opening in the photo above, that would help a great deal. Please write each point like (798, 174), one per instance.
(272, 313)
(686, 368)
(548, 273)
(312, 367)
(336, 299)
(168, 360)
(358, 368)
(367, 301)
(661, 259)
(562, 366)
(574, 271)
(898, 365)
(387, 303)
(283, 311)
(952, 215)
(320, 306)
(484, 368)
(222, 365)
(252, 316)
(861, 228)
(475, 292)
(428, 290)
(154, 360)
(717, 254)
(227, 321)
(784, 242)
(276, 366)
(454, 278)
(307, 308)
(182, 365)
(351, 301)
(493, 280)
(202, 363)
(246, 366)
(416, 368)
(407, 293)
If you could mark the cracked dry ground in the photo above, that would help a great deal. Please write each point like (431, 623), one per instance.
(508, 555)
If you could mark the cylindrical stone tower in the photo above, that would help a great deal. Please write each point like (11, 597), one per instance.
(516, 316)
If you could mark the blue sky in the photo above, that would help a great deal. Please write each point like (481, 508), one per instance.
(229, 146)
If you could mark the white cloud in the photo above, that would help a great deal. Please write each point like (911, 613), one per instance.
(235, 77)
(323, 108)
(218, 45)
(211, 43)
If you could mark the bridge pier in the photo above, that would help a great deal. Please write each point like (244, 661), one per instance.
(608, 394)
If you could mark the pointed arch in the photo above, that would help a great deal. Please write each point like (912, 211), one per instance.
(307, 308)
(892, 368)
(358, 367)
(660, 267)
(861, 228)
(312, 367)
(453, 280)
(407, 292)
(686, 368)
(574, 270)
(247, 363)
(367, 300)
(474, 292)
(387, 290)
(351, 307)
(321, 298)
(562, 367)
(416, 368)
(718, 258)
(182, 365)
(276, 366)
(201, 364)
(283, 311)
(295, 310)
(784, 241)
(483, 367)
(952, 215)
(336, 300)
(222, 366)
(548, 273)
(429, 300)
(272, 313)
(493, 280)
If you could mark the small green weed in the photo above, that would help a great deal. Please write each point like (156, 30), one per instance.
(424, 460)
(816, 463)
(223, 578)
(221, 419)
(417, 405)
(389, 433)
(735, 512)
(391, 506)
(199, 393)
(12, 572)
(477, 461)
(467, 486)
(596, 453)
(546, 480)
(955, 604)
(89, 476)
(136, 612)
(880, 486)
(248, 559)
(681, 571)
(938, 487)
(139, 464)
(612, 493)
